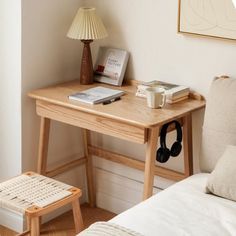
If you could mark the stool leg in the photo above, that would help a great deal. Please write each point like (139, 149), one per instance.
(35, 227)
(77, 216)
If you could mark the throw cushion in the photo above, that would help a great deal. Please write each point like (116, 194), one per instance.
(222, 180)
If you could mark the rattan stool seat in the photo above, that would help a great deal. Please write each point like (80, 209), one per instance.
(35, 195)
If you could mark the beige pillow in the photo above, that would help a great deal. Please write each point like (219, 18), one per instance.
(222, 180)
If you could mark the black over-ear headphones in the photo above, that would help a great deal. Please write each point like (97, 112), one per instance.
(163, 153)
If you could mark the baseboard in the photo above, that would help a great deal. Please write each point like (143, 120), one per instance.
(11, 220)
(111, 203)
(117, 193)
(16, 222)
(129, 173)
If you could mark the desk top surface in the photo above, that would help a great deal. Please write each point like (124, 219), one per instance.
(130, 109)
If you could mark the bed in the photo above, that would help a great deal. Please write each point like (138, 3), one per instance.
(185, 208)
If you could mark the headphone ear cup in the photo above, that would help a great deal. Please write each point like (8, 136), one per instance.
(175, 149)
(162, 155)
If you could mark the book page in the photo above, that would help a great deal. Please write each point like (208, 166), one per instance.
(96, 94)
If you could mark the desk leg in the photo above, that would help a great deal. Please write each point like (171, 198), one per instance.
(89, 169)
(153, 134)
(187, 145)
(43, 145)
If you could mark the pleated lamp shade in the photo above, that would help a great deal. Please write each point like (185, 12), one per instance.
(87, 25)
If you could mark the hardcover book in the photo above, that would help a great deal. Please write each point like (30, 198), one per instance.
(173, 92)
(96, 95)
(111, 65)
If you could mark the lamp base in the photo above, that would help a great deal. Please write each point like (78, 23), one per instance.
(86, 70)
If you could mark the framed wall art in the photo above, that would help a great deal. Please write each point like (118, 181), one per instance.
(215, 18)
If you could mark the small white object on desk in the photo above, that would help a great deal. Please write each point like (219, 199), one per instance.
(156, 97)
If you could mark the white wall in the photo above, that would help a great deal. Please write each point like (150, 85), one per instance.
(10, 88)
(48, 57)
(10, 94)
(148, 30)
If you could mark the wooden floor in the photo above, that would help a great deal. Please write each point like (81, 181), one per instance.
(63, 225)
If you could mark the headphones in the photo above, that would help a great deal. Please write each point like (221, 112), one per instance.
(163, 153)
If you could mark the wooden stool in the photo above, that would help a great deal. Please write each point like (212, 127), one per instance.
(35, 195)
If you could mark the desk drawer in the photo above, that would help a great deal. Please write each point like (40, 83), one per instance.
(92, 122)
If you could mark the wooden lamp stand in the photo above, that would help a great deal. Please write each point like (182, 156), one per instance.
(86, 70)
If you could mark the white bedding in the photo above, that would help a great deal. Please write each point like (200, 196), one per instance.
(107, 229)
(183, 209)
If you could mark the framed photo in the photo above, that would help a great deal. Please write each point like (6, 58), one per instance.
(214, 18)
(111, 65)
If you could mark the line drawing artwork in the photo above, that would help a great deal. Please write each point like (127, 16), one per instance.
(208, 17)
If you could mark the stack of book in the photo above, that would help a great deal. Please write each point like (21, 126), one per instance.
(174, 93)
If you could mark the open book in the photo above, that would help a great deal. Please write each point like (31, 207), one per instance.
(96, 95)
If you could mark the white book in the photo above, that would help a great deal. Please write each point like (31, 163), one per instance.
(111, 65)
(96, 95)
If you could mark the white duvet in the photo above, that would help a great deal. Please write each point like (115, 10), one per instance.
(183, 209)
(107, 229)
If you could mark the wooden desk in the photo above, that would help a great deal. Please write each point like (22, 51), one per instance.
(128, 119)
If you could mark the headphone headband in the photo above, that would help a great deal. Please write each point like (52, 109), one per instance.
(164, 132)
(163, 153)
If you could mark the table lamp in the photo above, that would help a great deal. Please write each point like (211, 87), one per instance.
(87, 26)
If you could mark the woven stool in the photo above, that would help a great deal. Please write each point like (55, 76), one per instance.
(35, 195)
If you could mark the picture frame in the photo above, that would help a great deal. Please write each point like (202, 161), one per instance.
(209, 18)
(111, 65)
